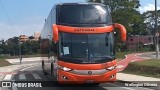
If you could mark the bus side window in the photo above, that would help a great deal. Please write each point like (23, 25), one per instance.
(54, 47)
(106, 40)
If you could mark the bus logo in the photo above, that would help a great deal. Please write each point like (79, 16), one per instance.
(89, 72)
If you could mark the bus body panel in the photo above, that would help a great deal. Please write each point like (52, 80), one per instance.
(50, 51)
(109, 76)
(87, 66)
(87, 73)
(47, 53)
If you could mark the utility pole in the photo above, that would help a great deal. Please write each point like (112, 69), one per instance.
(156, 31)
(20, 52)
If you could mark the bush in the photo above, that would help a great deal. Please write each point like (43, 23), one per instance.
(29, 53)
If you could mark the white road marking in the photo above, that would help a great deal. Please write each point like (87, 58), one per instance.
(29, 67)
(8, 77)
(120, 66)
(36, 76)
(22, 76)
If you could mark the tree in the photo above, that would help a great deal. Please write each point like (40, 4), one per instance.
(149, 20)
(119, 4)
(12, 47)
(124, 12)
(34, 46)
(1, 51)
(31, 37)
(13, 40)
(30, 47)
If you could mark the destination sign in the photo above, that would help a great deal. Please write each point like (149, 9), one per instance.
(84, 29)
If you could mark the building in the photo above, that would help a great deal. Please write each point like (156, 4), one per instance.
(23, 38)
(37, 35)
(133, 42)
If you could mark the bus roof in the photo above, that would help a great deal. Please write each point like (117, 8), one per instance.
(83, 3)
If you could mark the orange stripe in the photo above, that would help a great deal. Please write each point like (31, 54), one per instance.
(87, 66)
(85, 29)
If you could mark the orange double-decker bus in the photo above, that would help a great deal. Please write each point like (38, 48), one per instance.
(77, 43)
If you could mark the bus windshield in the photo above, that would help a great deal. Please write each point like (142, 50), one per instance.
(83, 14)
(86, 48)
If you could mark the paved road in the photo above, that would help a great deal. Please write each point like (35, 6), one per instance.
(34, 73)
(32, 60)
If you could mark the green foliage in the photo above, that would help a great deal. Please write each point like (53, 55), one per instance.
(119, 4)
(149, 20)
(121, 55)
(121, 47)
(1, 50)
(98, 1)
(151, 62)
(125, 13)
(13, 47)
(30, 47)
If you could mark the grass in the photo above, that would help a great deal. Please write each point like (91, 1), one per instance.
(2, 57)
(150, 62)
(121, 55)
(150, 68)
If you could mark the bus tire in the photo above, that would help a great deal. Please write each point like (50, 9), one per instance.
(93, 84)
(96, 84)
(43, 70)
(52, 74)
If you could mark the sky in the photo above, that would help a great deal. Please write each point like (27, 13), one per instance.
(24, 17)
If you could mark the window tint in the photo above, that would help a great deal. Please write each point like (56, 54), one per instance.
(83, 14)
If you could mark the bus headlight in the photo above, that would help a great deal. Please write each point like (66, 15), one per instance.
(65, 68)
(111, 68)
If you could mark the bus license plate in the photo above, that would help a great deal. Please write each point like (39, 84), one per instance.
(89, 81)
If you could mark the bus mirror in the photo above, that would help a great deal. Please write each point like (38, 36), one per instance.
(55, 33)
(122, 30)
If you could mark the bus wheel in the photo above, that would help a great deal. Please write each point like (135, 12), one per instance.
(52, 73)
(93, 84)
(44, 72)
(96, 84)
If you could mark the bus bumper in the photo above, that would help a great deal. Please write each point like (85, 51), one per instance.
(67, 77)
